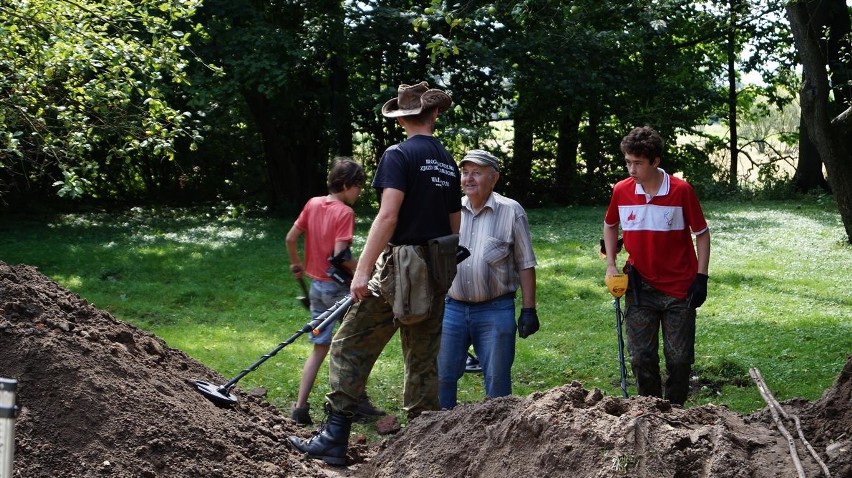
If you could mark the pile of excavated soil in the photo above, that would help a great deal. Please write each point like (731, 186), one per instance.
(99, 397)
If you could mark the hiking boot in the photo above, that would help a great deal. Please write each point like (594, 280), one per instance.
(472, 364)
(329, 443)
(301, 415)
(366, 409)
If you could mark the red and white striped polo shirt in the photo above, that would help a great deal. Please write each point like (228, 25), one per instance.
(657, 231)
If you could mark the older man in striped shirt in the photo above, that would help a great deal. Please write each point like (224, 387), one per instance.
(480, 305)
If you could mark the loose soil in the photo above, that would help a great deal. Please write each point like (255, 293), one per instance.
(100, 397)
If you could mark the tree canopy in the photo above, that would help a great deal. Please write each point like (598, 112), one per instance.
(159, 100)
(85, 95)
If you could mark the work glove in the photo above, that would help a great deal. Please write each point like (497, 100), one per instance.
(527, 322)
(697, 291)
(618, 246)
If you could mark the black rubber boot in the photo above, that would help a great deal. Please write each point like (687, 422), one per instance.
(329, 443)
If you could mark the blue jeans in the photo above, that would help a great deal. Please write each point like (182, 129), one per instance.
(323, 295)
(490, 327)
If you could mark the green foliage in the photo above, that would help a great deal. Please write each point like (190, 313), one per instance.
(87, 93)
(213, 282)
(109, 100)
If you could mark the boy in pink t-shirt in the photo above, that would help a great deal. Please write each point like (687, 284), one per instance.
(658, 214)
(328, 224)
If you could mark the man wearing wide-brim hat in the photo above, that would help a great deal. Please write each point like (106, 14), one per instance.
(418, 185)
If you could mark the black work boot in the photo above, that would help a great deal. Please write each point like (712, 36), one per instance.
(366, 409)
(329, 443)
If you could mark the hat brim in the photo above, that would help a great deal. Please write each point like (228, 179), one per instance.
(391, 109)
(479, 162)
(430, 98)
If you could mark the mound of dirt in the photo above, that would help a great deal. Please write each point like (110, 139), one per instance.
(572, 429)
(100, 397)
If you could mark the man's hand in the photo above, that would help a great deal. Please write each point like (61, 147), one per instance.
(527, 322)
(358, 288)
(297, 270)
(697, 291)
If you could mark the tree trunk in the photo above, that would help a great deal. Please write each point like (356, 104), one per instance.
(830, 140)
(296, 154)
(340, 108)
(732, 94)
(566, 157)
(809, 174)
(592, 146)
(518, 182)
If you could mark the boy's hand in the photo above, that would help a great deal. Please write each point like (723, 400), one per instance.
(697, 291)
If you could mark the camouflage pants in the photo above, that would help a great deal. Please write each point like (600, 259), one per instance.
(367, 327)
(643, 323)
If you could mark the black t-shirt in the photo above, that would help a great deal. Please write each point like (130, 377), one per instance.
(421, 168)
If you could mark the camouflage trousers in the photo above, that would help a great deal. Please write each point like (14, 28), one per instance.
(365, 331)
(643, 322)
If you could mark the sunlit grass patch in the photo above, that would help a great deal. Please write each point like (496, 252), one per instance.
(216, 285)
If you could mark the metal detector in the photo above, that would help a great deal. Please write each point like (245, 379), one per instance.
(221, 394)
(617, 286)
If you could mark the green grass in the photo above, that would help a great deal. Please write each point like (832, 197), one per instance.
(218, 287)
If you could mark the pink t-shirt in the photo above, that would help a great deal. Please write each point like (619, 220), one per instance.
(657, 232)
(325, 223)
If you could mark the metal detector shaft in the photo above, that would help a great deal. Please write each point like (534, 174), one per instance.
(329, 316)
(618, 321)
(343, 304)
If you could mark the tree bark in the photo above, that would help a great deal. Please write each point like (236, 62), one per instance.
(829, 139)
(566, 156)
(732, 94)
(518, 182)
(808, 176)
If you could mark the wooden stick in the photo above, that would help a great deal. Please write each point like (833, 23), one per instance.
(795, 418)
(764, 392)
(810, 448)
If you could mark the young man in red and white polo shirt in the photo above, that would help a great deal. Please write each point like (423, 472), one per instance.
(658, 214)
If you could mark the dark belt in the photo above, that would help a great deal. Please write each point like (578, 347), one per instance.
(500, 297)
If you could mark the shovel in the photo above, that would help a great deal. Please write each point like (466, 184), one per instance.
(221, 395)
(617, 285)
(304, 299)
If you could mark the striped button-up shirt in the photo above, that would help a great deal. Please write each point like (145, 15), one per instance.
(498, 237)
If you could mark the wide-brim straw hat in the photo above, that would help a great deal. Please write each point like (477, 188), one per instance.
(412, 100)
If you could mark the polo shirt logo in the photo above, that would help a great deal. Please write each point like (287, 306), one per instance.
(669, 215)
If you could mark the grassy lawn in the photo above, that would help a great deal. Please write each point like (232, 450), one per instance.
(218, 287)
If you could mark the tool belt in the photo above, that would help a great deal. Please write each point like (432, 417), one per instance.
(410, 276)
(442, 261)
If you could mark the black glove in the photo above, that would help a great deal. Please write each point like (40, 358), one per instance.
(697, 291)
(527, 322)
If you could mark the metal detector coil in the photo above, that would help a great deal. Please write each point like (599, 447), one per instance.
(221, 394)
